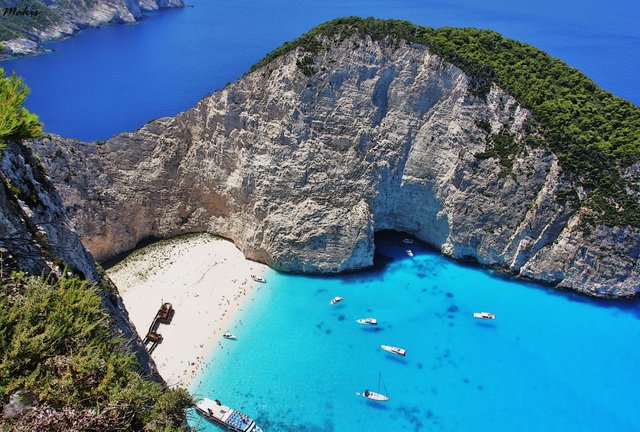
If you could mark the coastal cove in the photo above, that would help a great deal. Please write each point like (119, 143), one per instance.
(550, 361)
(327, 206)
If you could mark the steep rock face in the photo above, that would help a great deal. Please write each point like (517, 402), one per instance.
(301, 161)
(150, 5)
(36, 237)
(70, 16)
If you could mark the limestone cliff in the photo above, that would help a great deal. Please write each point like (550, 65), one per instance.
(22, 34)
(35, 237)
(300, 161)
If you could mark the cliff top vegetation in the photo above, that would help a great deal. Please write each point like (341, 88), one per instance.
(12, 27)
(594, 133)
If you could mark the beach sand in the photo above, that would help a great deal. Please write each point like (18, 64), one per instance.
(205, 278)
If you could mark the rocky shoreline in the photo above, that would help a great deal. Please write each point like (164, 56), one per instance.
(301, 169)
(68, 19)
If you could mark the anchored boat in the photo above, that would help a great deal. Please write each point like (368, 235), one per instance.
(228, 335)
(226, 417)
(407, 241)
(336, 299)
(409, 252)
(484, 315)
(258, 279)
(394, 350)
(369, 321)
(375, 395)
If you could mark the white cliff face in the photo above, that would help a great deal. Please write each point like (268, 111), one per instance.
(36, 237)
(300, 171)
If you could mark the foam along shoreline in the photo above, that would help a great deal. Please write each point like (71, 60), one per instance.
(206, 279)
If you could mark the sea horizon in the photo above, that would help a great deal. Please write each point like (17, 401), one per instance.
(175, 57)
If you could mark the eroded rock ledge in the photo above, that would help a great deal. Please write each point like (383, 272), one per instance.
(300, 169)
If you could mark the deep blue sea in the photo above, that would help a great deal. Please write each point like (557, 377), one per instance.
(550, 361)
(119, 77)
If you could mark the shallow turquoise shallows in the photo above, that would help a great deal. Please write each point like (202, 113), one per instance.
(550, 361)
(115, 79)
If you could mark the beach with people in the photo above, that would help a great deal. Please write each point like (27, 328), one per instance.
(206, 279)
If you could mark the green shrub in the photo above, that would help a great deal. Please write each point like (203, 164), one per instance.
(56, 345)
(15, 121)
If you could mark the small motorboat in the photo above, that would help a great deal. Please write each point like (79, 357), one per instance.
(370, 321)
(336, 299)
(484, 315)
(258, 279)
(409, 252)
(228, 335)
(394, 350)
(407, 241)
(379, 397)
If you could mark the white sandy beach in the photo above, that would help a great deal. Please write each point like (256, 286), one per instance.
(205, 278)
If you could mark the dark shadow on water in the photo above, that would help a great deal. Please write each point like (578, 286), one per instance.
(377, 405)
(389, 248)
(484, 323)
(395, 358)
(372, 329)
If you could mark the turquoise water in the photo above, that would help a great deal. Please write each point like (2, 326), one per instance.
(551, 361)
(115, 79)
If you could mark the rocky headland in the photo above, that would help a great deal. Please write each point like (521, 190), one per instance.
(36, 237)
(303, 159)
(24, 25)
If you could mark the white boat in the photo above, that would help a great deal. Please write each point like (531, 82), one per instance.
(409, 252)
(336, 299)
(370, 321)
(394, 350)
(375, 396)
(484, 315)
(258, 279)
(226, 417)
(407, 241)
(228, 335)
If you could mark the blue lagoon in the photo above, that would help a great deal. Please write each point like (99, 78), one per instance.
(550, 360)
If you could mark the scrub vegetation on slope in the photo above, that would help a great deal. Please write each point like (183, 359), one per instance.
(58, 350)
